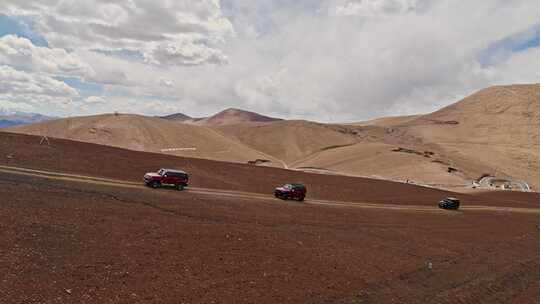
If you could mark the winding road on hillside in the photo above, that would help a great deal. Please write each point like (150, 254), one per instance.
(489, 182)
(247, 195)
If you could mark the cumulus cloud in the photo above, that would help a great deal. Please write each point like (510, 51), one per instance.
(166, 83)
(329, 60)
(185, 50)
(95, 100)
(27, 75)
(10, 108)
(19, 82)
(32, 90)
(22, 54)
(170, 32)
(371, 8)
(378, 57)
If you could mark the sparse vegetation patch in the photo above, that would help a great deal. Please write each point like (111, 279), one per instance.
(427, 154)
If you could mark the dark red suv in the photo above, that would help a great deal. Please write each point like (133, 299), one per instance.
(167, 177)
(291, 191)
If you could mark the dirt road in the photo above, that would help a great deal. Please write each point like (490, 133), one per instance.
(248, 195)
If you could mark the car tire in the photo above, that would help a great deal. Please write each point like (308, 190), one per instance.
(301, 199)
(154, 184)
(180, 187)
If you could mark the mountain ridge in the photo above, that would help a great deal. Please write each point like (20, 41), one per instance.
(494, 131)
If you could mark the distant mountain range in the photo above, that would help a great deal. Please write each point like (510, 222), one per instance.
(21, 118)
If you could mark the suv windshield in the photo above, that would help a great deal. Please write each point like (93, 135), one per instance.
(161, 172)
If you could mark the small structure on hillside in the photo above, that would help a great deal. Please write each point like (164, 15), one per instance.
(492, 182)
(44, 140)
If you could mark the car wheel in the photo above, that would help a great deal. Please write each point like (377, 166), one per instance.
(180, 187)
(154, 184)
(301, 199)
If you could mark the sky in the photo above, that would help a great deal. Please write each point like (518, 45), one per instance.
(323, 60)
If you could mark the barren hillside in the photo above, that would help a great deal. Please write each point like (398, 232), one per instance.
(495, 131)
(498, 127)
(290, 140)
(230, 116)
(387, 121)
(146, 134)
(78, 226)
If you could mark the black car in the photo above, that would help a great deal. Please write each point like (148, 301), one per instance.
(291, 191)
(449, 203)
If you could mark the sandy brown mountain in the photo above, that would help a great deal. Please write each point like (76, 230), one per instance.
(495, 131)
(229, 116)
(148, 134)
(498, 127)
(290, 140)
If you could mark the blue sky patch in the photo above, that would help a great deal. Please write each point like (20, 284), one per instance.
(85, 88)
(22, 27)
(123, 54)
(502, 49)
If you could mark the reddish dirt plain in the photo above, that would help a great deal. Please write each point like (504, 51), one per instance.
(70, 242)
(103, 161)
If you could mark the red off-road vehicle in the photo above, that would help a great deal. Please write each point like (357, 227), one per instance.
(167, 177)
(291, 191)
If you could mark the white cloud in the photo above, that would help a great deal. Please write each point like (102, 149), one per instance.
(22, 54)
(329, 60)
(9, 108)
(32, 90)
(169, 32)
(376, 7)
(95, 100)
(19, 82)
(385, 57)
(185, 50)
(520, 67)
(166, 83)
(156, 107)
